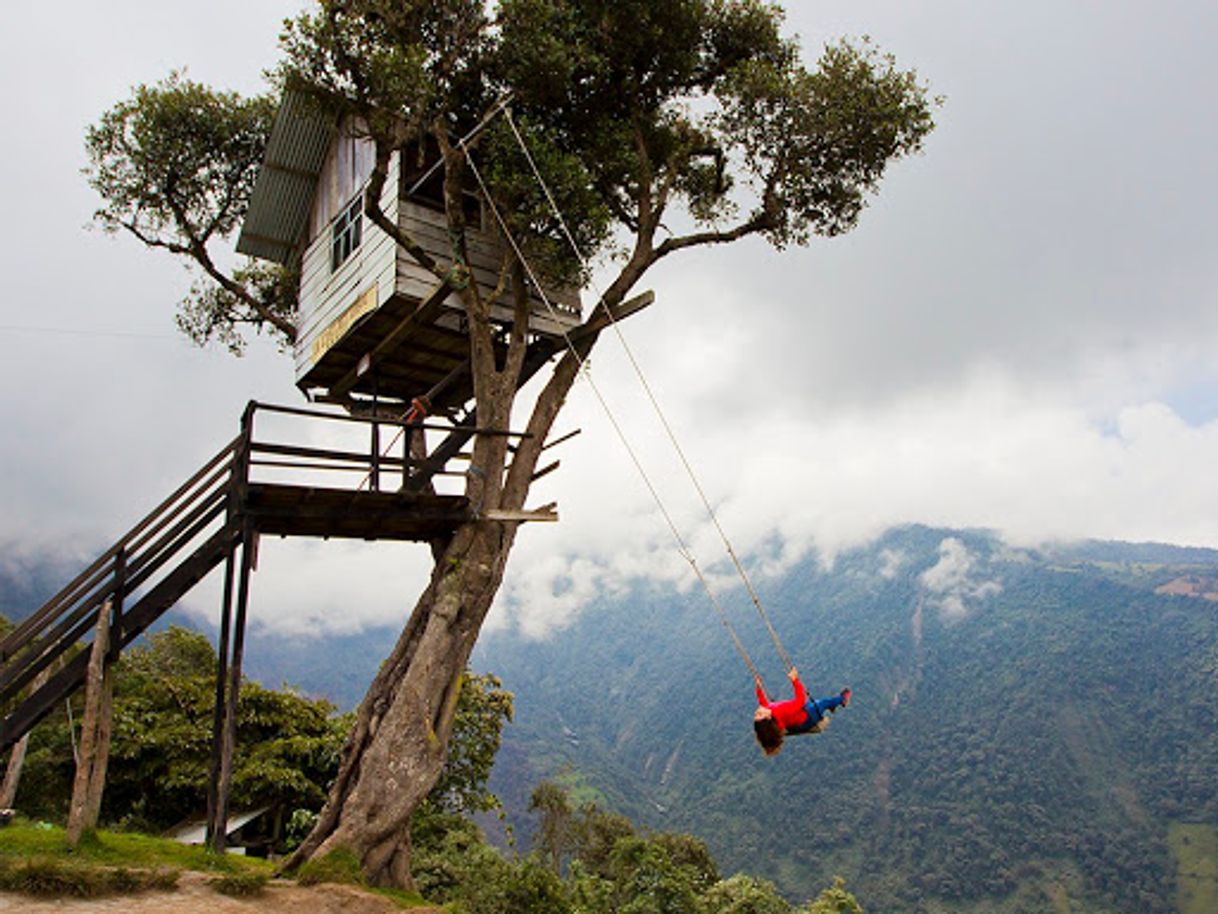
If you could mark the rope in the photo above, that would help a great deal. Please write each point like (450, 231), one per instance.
(693, 478)
(582, 363)
(417, 413)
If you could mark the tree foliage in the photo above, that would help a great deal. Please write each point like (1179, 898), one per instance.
(622, 872)
(175, 165)
(287, 745)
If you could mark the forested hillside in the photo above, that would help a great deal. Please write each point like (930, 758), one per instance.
(1025, 725)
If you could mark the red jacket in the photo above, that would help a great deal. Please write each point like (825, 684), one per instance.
(790, 713)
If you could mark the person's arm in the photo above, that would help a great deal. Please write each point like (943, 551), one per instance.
(801, 694)
(761, 696)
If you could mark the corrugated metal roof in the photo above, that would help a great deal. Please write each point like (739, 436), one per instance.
(283, 193)
(195, 831)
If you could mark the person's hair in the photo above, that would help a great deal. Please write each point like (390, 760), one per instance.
(769, 734)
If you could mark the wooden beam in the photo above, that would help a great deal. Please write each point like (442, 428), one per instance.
(423, 314)
(619, 312)
(557, 441)
(545, 471)
(544, 513)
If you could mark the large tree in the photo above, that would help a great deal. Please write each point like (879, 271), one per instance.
(657, 126)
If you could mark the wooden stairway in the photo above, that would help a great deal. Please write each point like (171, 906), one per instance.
(203, 523)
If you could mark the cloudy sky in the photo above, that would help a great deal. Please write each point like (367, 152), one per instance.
(1021, 334)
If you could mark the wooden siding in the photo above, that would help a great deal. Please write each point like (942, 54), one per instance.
(430, 229)
(326, 296)
(347, 168)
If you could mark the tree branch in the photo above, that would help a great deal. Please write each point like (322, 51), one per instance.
(197, 250)
(758, 223)
(372, 206)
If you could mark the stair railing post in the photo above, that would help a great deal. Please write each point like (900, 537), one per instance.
(120, 587)
(217, 788)
(375, 474)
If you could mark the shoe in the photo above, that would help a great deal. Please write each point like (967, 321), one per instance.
(845, 697)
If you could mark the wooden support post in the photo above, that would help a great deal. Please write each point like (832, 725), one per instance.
(95, 734)
(217, 726)
(375, 474)
(16, 758)
(12, 773)
(229, 735)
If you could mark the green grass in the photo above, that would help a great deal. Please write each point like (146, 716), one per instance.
(35, 859)
(239, 885)
(342, 866)
(1195, 848)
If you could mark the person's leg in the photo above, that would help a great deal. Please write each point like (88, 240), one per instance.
(829, 704)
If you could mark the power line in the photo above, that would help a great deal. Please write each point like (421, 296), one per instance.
(76, 331)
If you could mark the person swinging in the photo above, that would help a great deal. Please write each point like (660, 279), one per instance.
(773, 720)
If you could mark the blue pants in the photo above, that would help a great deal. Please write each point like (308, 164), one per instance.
(817, 707)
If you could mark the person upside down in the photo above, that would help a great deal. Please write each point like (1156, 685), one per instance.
(774, 720)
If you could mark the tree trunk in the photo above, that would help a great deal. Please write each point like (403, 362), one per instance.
(399, 743)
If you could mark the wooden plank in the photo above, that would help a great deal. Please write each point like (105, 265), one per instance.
(545, 513)
(620, 312)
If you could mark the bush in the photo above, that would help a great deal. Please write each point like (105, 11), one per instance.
(239, 885)
(47, 877)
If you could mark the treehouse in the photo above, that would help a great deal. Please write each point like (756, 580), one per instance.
(371, 320)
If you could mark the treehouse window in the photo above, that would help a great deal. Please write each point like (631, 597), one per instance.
(347, 232)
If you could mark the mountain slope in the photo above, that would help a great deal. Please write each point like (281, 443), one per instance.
(1023, 724)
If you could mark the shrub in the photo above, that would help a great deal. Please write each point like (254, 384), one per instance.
(239, 885)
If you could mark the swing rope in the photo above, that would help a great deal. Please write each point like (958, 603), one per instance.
(655, 403)
(582, 364)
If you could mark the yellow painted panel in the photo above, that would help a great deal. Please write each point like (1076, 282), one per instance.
(344, 322)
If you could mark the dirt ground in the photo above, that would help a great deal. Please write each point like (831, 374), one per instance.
(193, 896)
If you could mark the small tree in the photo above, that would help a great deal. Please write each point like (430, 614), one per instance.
(660, 127)
(835, 900)
(553, 839)
(743, 894)
(164, 696)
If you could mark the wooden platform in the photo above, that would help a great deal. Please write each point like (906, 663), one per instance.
(285, 510)
(411, 351)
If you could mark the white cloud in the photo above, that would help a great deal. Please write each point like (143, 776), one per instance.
(951, 584)
(893, 559)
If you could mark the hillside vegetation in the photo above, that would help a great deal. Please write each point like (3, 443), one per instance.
(1026, 729)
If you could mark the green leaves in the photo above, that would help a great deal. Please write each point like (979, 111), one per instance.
(815, 144)
(176, 162)
(400, 65)
(482, 709)
(175, 165)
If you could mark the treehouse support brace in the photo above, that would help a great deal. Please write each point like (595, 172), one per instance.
(16, 759)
